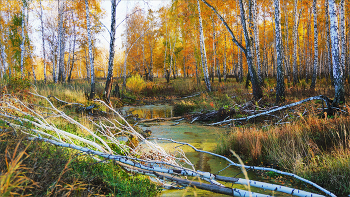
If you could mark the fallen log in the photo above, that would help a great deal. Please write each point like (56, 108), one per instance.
(147, 156)
(330, 109)
(251, 167)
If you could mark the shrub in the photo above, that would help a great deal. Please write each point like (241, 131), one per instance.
(183, 107)
(135, 83)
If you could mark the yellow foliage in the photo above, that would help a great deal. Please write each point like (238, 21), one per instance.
(135, 83)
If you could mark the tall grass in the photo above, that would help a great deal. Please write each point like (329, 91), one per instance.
(315, 148)
(13, 179)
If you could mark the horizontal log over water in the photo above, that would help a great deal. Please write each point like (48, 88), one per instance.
(320, 97)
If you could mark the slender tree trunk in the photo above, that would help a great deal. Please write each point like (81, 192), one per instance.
(280, 94)
(257, 40)
(218, 69)
(150, 69)
(109, 80)
(3, 54)
(166, 47)
(314, 75)
(43, 40)
(295, 43)
(257, 92)
(342, 34)
(23, 39)
(224, 66)
(73, 58)
(214, 52)
(329, 45)
(286, 51)
(61, 43)
(92, 70)
(240, 60)
(339, 97)
(202, 49)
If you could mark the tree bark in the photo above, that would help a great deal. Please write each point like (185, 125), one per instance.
(314, 75)
(329, 45)
(61, 43)
(73, 54)
(342, 35)
(295, 43)
(257, 92)
(280, 94)
(23, 40)
(339, 97)
(92, 70)
(202, 49)
(109, 80)
(256, 40)
(43, 39)
(224, 65)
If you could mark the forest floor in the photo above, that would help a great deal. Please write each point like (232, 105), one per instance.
(302, 140)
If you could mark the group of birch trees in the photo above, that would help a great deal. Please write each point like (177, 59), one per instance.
(291, 41)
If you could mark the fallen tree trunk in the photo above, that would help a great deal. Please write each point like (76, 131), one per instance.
(146, 156)
(320, 97)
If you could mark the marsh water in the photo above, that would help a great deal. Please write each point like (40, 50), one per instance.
(202, 137)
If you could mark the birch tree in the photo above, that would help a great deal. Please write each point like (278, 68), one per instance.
(92, 73)
(329, 45)
(43, 39)
(295, 43)
(314, 74)
(61, 42)
(280, 94)
(23, 39)
(339, 97)
(342, 34)
(256, 40)
(202, 50)
(257, 92)
(109, 80)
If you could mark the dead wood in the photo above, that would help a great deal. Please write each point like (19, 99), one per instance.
(329, 109)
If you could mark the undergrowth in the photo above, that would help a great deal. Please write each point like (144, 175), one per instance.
(40, 169)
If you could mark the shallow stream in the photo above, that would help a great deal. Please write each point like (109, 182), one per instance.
(202, 137)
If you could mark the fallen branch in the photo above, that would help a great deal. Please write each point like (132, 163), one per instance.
(250, 167)
(143, 155)
(320, 97)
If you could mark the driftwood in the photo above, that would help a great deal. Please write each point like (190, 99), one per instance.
(320, 97)
(90, 110)
(145, 157)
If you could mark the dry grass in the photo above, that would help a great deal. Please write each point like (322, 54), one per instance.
(316, 148)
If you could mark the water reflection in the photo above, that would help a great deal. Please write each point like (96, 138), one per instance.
(149, 111)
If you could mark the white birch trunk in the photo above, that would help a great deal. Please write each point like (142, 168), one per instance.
(202, 49)
(337, 67)
(314, 75)
(295, 43)
(43, 40)
(23, 40)
(109, 80)
(166, 48)
(257, 40)
(280, 95)
(92, 73)
(342, 34)
(329, 45)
